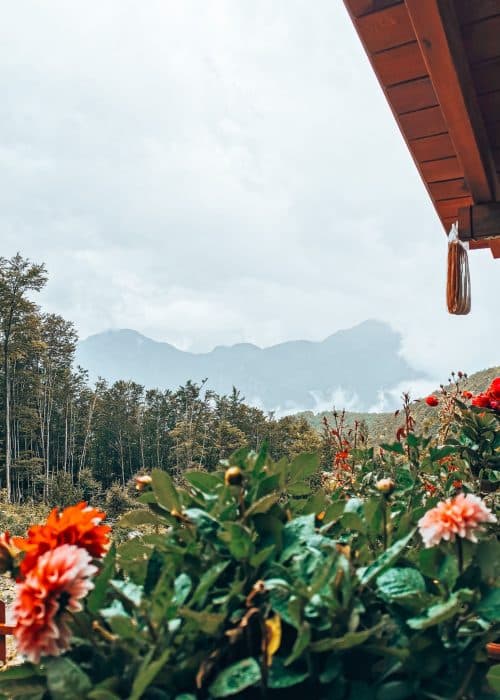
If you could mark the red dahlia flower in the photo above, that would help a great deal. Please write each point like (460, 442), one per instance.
(77, 525)
(53, 588)
(432, 400)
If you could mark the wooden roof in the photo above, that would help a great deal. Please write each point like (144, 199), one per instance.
(438, 62)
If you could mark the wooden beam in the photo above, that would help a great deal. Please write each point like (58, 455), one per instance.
(438, 33)
(479, 222)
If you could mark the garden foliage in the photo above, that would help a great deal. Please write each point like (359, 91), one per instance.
(247, 583)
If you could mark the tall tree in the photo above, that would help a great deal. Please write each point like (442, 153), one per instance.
(18, 277)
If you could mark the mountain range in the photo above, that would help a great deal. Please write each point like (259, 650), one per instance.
(352, 367)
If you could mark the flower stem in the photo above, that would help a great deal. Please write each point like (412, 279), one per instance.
(460, 554)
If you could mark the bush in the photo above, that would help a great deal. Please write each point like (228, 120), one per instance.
(246, 584)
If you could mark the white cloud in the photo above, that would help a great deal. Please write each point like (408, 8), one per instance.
(217, 172)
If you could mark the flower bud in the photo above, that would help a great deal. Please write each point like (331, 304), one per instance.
(233, 476)
(142, 481)
(385, 486)
(8, 552)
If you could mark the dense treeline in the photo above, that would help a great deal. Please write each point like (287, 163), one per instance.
(57, 431)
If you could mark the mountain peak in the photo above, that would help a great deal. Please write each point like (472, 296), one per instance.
(356, 363)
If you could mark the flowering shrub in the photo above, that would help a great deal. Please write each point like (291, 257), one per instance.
(246, 583)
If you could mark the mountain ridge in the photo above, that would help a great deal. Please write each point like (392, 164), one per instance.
(360, 362)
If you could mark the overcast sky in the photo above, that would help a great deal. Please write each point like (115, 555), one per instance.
(221, 171)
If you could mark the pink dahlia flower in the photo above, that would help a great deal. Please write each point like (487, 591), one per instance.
(459, 516)
(52, 588)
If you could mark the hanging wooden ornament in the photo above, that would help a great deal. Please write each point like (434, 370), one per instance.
(458, 296)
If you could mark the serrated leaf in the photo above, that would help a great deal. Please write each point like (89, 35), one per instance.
(234, 679)
(397, 583)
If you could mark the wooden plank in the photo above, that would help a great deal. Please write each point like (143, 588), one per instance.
(495, 248)
(425, 122)
(486, 76)
(475, 10)
(3, 643)
(449, 189)
(399, 65)
(485, 220)
(386, 29)
(438, 33)
(411, 96)
(358, 8)
(494, 134)
(490, 106)
(440, 170)
(433, 147)
(481, 40)
(449, 207)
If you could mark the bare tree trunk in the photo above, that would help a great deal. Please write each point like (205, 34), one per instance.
(8, 446)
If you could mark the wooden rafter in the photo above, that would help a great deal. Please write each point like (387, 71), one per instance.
(438, 33)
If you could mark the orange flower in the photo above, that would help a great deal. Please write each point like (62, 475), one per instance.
(432, 400)
(459, 516)
(78, 525)
(457, 484)
(53, 587)
(467, 394)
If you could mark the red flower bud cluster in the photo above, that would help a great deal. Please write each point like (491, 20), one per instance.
(432, 400)
(489, 398)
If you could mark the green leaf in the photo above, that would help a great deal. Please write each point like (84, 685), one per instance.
(493, 677)
(97, 596)
(439, 566)
(395, 690)
(301, 643)
(280, 676)
(164, 490)
(399, 583)
(182, 589)
(207, 581)
(304, 466)
(203, 481)
(396, 447)
(128, 590)
(349, 640)
(489, 607)
(238, 540)
(385, 560)
(260, 557)
(262, 505)
(437, 613)
(236, 678)
(147, 673)
(301, 488)
(488, 557)
(353, 521)
(65, 680)
(207, 622)
(102, 694)
(139, 517)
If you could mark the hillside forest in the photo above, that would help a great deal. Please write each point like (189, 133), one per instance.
(61, 438)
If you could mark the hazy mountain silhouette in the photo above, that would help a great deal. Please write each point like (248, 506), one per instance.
(358, 362)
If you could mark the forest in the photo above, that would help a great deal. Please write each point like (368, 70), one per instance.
(61, 438)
